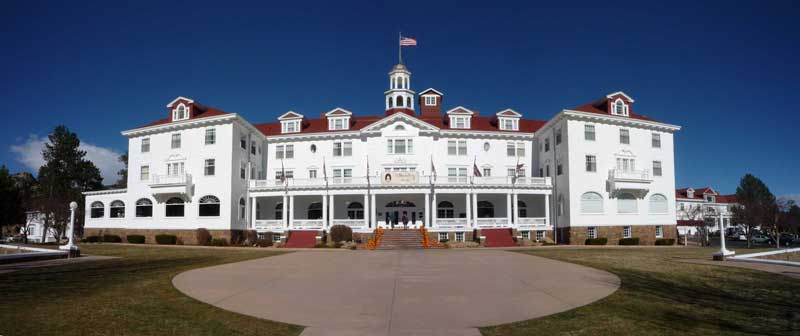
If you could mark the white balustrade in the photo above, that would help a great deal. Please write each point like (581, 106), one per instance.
(177, 179)
(529, 223)
(269, 225)
(621, 174)
(451, 223)
(498, 222)
(353, 223)
(307, 224)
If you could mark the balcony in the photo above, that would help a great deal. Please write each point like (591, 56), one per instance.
(636, 182)
(171, 185)
(404, 179)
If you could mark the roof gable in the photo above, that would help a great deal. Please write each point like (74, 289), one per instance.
(460, 110)
(290, 115)
(380, 124)
(431, 91)
(509, 113)
(180, 99)
(618, 94)
(338, 112)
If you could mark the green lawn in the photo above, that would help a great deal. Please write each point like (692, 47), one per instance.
(662, 296)
(132, 295)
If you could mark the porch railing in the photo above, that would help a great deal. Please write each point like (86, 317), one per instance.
(451, 223)
(497, 222)
(376, 181)
(307, 224)
(269, 225)
(531, 222)
(353, 223)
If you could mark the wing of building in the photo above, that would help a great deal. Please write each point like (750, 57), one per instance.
(704, 207)
(598, 170)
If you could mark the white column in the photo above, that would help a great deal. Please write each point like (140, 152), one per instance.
(434, 213)
(291, 211)
(325, 211)
(425, 220)
(366, 213)
(475, 210)
(508, 209)
(372, 212)
(515, 208)
(547, 210)
(253, 206)
(468, 205)
(333, 206)
(285, 211)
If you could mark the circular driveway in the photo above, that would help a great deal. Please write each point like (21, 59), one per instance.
(404, 292)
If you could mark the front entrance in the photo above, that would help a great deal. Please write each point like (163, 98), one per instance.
(397, 213)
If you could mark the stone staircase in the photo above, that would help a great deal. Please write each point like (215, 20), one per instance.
(401, 239)
(498, 238)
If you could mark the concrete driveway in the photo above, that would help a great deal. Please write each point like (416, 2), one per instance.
(418, 292)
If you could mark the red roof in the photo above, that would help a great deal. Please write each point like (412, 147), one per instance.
(208, 112)
(601, 107)
(684, 222)
(699, 192)
(726, 198)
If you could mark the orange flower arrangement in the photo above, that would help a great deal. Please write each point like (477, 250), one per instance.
(376, 241)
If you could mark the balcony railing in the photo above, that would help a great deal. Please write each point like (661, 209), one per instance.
(379, 181)
(173, 179)
(630, 175)
(269, 225)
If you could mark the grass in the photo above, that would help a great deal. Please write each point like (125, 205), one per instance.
(131, 295)
(662, 296)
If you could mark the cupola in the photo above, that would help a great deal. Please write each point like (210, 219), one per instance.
(399, 95)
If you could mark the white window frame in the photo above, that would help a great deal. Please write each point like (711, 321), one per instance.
(627, 231)
(211, 136)
(659, 231)
(408, 146)
(624, 136)
(338, 123)
(145, 146)
(540, 235)
(591, 203)
(290, 126)
(344, 148)
(508, 124)
(662, 207)
(460, 121)
(525, 235)
(144, 173)
(430, 100)
(312, 173)
(181, 112)
(658, 169)
(175, 141)
(619, 103)
(591, 163)
(587, 130)
(212, 165)
(460, 237)
(457, 147)
(591, 232)
(656, 140)
(443, 234)
(621, 202)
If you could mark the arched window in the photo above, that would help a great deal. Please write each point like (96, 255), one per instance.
(144, 208)
(242, 208)
(208, 206)
(522, 209)
(174, 207)
(399, 101)
(626, 203)
(591, 202)
(408, 102)
(355, 211)
(658, 204)
(315, 210)
(485, 209)
(180, 112)
(117, 209)
(619, 107)
(399, 128)
(98, 210)
(279, 211)
(390, 101)
(445, 210)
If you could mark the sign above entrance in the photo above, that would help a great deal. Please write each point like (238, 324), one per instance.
(399, 177)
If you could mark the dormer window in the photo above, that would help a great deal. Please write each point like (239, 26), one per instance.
(509, 124)
(459, 121)
(338, 119)
(180, 113)
(690, 193)
(290, 126)
(338, 123)
(619, 108)
(430, 100)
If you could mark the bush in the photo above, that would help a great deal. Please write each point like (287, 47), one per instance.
(111, 239)
(665, 241)
(203, 236)
(341, 233)
(264, 242)
(251, 237)
(92, 239)
(219, 242)
(629, 241)
(166, 239)
(596, 241)
(135, 239)
(237, 237)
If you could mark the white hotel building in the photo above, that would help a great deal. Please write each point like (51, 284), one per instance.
(598, 170)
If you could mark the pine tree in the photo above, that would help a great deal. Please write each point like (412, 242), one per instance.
(756, 205)
(122, 183)
(10, 205)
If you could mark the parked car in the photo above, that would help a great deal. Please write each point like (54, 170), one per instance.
(5, 240)
(761, 239)
(787, 238)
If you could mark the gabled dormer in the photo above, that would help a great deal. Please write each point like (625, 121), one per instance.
(508, 120)
(181, 108)
(338, 119)
(619, 104)
(460, 118)
(710, 195)
(291, 122)
(430, 103)
(690, 193)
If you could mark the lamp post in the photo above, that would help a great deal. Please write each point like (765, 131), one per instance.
(723, 252)
(73, 249)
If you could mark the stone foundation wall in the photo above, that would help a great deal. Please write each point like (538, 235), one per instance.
(187, 237)
(451, 236)
(645, 233)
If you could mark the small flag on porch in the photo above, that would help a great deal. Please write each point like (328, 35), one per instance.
(475, 170)
(407, 41)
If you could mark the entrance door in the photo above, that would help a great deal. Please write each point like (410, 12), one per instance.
(393, 213)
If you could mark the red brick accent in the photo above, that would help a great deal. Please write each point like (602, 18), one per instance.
(188, 237)
(646, 233)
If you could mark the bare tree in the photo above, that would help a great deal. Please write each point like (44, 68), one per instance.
(54, 214)
(696, 212)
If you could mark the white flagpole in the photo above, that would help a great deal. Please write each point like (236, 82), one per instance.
(400, 48)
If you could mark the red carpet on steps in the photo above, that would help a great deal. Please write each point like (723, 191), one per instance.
(498, 238)
(301, 239)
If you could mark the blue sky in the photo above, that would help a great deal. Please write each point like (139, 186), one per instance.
(727, 74)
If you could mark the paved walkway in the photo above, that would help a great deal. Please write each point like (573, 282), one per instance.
(790, 271)
(422, 292)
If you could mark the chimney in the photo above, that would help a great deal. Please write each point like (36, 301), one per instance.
(430, 103)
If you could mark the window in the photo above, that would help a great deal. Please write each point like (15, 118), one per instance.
(284, 151)
(626, 232)
(516, 172)
(208, 206)
(313, 148)
(656, 140)
(459, 121)
(400, 146)
(591, 202)
(117, 209)
(290, 151)
(626, 165)
(443, 237)
(144, 173)
(176, 141)
(174, 207)
(619, 108)
(626, 203)
(522, 209)
(547, 144)
(541, 172)
(211, 136)
(457, 174)
(314, 210)
(175, 169)
(242, 170)
(591, 163)
(660, 231)
(337, 123)
(98, 209)
(457, 147)
(180, 113)
(209, 167)
(312, 173)
(558, 136)
(430, 100)
(559, 168)
(445, 210)
(243, 142)
(485, 209)
(279, 211)
(539, 235)
(459, 237)
(547, 170)
(242, 208)
(292, 126)
(355, 210)
(591, 232)
(525, 235)
(515, 149)
(144, 208)
(588, 132)
(658, 204)
(624, 137)
(342, 175)
(253, 147)
(145, 145)
(344, 148)
(276, 237)
(487, 172)
(279, 175)
(508, 124)
(657, 168)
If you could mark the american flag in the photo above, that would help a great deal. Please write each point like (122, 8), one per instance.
(475, 170)
(408, 41)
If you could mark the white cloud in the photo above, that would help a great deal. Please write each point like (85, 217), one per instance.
(795, 197)
(29, 153)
